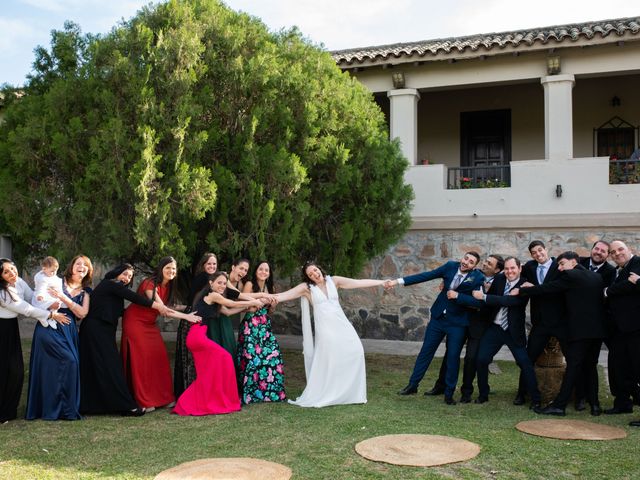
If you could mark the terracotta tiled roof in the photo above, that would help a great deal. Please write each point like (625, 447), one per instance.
(488, 41)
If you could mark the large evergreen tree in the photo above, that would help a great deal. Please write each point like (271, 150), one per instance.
(190, 128)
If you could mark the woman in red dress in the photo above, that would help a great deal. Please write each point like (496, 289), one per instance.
(144, 356)
(215, 389)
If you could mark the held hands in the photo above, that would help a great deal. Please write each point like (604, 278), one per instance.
(478, 295)
(269, 300)
(256, 302)
(452, 294)
(633, 277)
(527, 284)
(514, 291)
(389, 284)
(193, 318)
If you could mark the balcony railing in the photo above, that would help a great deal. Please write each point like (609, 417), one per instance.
(624, 171)
(492, 176)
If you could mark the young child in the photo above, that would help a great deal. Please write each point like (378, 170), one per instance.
(44, 279)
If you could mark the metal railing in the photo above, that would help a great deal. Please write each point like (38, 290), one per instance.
(491, 176)
(624, 171)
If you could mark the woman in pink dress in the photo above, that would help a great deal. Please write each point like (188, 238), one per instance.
(215, 389)
(144, 356)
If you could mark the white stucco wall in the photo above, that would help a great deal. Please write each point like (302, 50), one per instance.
(585, 191)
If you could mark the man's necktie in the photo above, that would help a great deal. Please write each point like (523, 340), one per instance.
(504, 311)
(456, 281)
(593, 268)
(540, 274)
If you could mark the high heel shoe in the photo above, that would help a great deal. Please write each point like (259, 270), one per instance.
(136, 412)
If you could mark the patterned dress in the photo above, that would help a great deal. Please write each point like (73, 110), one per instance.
(260, 363)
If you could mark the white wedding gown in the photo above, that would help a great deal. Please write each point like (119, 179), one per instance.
(334, 363)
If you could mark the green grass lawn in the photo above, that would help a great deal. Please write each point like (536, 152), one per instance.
(319, 443)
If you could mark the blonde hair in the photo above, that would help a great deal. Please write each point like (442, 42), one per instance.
(48, 262)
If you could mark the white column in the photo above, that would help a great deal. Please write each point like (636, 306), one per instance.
(404, 121)
(558, 116)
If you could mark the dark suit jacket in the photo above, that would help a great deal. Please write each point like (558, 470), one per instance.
(548, 311)
(584, 301)
(457, 315)
(606, 271)
(480, 314)
(496, 300)
(624, 299)
(517, 306)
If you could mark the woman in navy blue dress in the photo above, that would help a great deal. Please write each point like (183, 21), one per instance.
(54, 371)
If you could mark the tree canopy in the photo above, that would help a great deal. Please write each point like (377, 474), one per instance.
(192, 128)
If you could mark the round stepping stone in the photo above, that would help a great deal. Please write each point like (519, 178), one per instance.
(571, 429)
(417, 450)
(227, 469)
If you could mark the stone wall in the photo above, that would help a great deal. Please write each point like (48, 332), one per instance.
(403, 313)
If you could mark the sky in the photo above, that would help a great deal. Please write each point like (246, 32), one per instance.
(333, 24)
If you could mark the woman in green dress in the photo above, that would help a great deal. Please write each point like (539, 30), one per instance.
(221, 331)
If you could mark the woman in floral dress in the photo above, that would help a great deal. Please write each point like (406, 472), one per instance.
(260, 363)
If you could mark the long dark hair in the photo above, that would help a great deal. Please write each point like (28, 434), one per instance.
(114, 273)
(204, 259)
(254, 278)
(88, 278)
(204, 291)
(4, 285)
(305, 277)
(157, 277)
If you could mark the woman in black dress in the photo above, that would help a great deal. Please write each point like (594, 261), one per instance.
(102, 383)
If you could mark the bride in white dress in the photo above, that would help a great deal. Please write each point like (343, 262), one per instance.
(334, 362)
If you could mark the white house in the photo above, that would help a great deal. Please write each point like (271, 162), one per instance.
(537, 112)
(509, 137)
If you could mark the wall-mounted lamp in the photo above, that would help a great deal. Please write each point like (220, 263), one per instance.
(398, 80)
(558, 191)
(553, 65)
(615, 101)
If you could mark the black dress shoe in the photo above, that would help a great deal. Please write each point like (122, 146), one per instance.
(550, 410)
(434, 391)
(449, 400)
(408, 390)
(596, 411)
(634, 423)
(465, 399)
(617, 410)
(534, 405)
(580, 405)
(136, 412)
(519, 400)
(481, 400)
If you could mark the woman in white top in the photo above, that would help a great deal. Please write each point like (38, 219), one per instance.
(334, 363)
(15, 296)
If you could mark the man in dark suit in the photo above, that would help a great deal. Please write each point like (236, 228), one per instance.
(623, 298)
(595, 262)
(478, 324)
(582, 290)
(447, 319)
(547, 312)
(507, 314)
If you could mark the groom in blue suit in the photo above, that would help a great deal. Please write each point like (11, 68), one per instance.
(448, 319)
